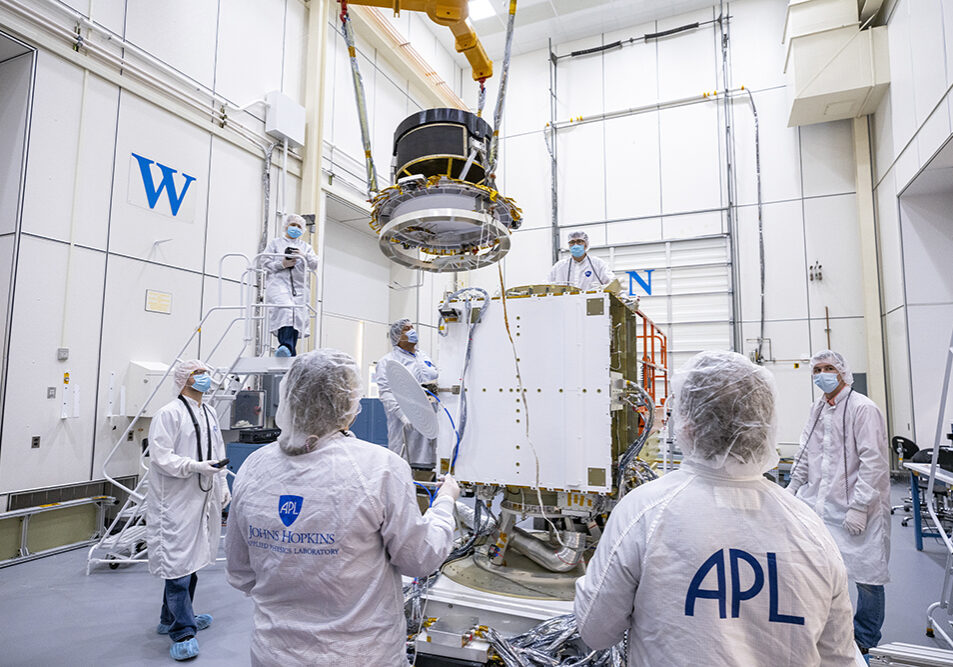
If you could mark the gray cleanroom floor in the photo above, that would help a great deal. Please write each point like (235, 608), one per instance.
(51, 613)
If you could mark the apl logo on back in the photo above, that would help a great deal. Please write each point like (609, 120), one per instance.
(289, 507)
(148, 180)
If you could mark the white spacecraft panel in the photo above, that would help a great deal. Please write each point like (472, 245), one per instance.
(562, 343)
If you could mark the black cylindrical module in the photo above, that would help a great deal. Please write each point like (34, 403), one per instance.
(436, 142)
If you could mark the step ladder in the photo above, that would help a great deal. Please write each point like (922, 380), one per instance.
(124, 541)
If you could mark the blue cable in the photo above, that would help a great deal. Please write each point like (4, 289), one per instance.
(429, 494)
(456, 448)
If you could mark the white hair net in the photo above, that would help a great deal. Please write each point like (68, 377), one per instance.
(320, 394)
(397, 330)
(724, 407)
(183, 371)
(294, 217)
(836, 360)
(579, 235)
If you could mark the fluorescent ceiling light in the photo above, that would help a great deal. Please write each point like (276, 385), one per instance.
(481, 9)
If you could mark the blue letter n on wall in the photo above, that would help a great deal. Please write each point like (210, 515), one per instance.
(167, 183)
(646, 284)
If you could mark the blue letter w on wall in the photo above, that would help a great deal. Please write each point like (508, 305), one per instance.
(167, 183)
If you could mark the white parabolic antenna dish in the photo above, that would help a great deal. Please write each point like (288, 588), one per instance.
(411, 398)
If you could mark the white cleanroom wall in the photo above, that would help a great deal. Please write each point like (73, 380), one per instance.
(93, 244)
(909, 129)
(648, 181)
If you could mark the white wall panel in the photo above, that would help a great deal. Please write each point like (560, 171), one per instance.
(883, 147)
(345, 126)
(929, 330)
(830, 228)
(178, 32)
(38, 330)
(132, 334)
(687, 63)
(633, 185)
(15, 81)
(581, 174)
(632, 231)
(848, 336)
(343, 334)
(927, 247)
(108, 14)
(390, 108)
(933, 133)
(891, 259)
(530, 257)
(907, 166)
(757, 54)
(527, 93)
(6, 275)
(155, 234)
(630, 73)
(780, 165)
(827, 158)
(242, 73)
(355, 274)
(235, 208)
(902, 89)
(926, 45)
(54, 141)
(690, 161)
(788, 340)
(785, 273)
(695, 224)
(295, 52)
(528, 169)
(596, 233)
(579, 90)
(899, 391)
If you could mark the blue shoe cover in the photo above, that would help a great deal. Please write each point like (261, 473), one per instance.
(184, 650)
(202, 621)
(283, 351)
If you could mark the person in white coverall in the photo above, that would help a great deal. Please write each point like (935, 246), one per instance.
(713, 564)
(580, 268)
(184, 502)
(287, 285)
(323, 525)
(403, 438)
(842, 471)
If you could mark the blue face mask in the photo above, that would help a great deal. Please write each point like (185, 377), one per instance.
(412, 336)
(202, 382)
(577, 250)
(293, 232)
(826, 382)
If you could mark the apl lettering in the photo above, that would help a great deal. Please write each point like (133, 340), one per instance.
(720, 593)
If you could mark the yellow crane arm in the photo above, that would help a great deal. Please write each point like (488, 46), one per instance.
(449, 13)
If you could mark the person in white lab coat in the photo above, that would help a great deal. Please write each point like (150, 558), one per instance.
(402, 437)
(287, 285)
(713, 564)
(184, 502)
(323, 525)
(580, 268)
(842, 471)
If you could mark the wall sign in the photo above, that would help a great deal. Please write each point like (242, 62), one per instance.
(145, 191)
(645, 284)
(158, 302)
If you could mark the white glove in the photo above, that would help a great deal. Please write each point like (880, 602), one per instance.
(205, 467)
(226, 496)
(856, 521)
(449, 488)
(288, 263)
(404, 421)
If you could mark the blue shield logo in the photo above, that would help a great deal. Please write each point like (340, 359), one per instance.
(289, 507)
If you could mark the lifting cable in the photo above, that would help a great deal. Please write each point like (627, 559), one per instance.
(501, 97)
(348, 33)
